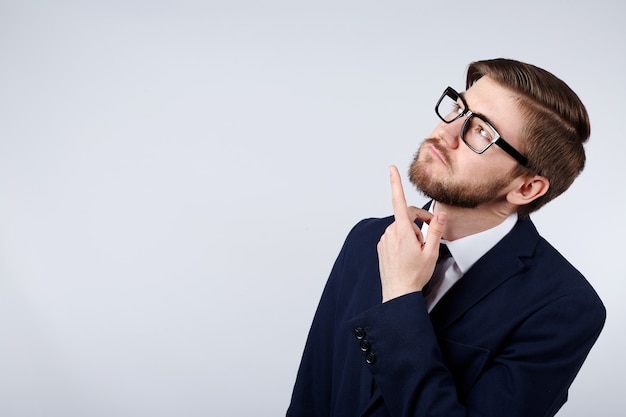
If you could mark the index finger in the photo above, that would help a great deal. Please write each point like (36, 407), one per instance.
(398, 201)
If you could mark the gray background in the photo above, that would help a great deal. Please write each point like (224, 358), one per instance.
(177, 177)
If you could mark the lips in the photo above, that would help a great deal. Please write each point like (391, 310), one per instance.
(437, 153)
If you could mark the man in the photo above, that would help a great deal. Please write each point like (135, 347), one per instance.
(502, 326)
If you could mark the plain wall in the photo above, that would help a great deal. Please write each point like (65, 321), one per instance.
(177, 177)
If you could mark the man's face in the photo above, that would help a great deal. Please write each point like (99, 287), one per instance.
(448, 171)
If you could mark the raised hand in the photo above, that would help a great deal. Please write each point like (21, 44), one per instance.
(406, 263)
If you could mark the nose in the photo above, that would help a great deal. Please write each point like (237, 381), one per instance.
(450, 133)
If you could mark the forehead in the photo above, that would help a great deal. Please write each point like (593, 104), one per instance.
(499, 105)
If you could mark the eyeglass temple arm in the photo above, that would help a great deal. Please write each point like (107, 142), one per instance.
(513, 152)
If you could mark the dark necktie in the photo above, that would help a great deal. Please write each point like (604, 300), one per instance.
(444, 252)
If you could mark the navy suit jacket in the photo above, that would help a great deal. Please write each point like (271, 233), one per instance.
(506, 340)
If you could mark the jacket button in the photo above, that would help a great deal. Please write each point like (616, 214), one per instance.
(359, 333)
(365, 345)
(370, 358)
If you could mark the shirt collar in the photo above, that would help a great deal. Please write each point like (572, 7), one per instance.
(469, 249)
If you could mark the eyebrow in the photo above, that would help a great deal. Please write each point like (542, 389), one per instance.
(482, 116)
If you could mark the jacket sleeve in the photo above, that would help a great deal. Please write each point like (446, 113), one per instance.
(528, 377)
(405, 360)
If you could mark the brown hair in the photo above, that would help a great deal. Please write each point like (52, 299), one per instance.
(557, 123)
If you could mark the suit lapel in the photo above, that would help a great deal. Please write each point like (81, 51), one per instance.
(498, 265)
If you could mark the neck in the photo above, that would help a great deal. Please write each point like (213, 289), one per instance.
(464, 222)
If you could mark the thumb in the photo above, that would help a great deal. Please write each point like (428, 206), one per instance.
(436, 228)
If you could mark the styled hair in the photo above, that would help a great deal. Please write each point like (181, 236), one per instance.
(556, 123)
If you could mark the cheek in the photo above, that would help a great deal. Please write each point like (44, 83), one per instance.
(469, 161)
(492, 162)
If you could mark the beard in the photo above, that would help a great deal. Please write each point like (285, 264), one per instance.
(464, 192)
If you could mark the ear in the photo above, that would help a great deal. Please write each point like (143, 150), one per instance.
(528, 189)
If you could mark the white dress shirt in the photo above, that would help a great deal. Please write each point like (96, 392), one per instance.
(465, 252)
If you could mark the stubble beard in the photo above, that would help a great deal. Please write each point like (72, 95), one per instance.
(462, 192)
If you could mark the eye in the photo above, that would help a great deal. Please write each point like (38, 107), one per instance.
(478, 135)
(450, 107)
(454, 112)
(484, 132)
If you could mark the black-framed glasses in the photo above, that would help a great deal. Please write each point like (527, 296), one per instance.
(477, 133)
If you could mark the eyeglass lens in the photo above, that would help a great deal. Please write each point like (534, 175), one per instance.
(476, 132)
